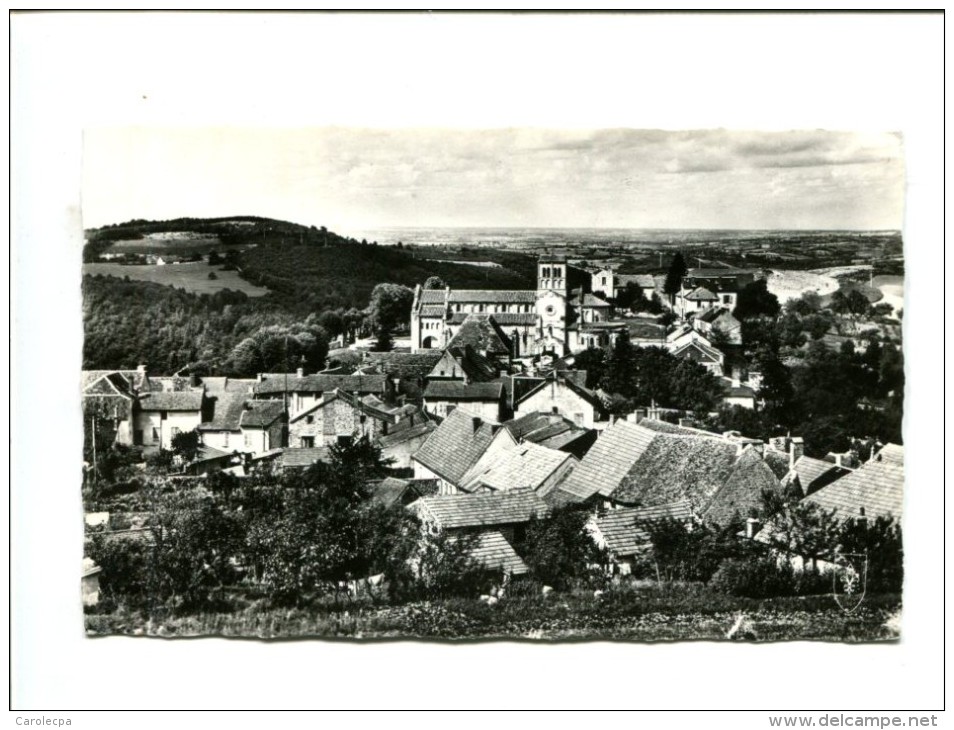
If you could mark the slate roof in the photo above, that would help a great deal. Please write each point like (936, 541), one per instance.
(481, 332)
(504, 319)
(484, 509)
(624, 530)
(876, 486)
(456, 445)
(275, 383)
(174, 401)
(304, 457)
(404, 364)
(529, 465)
(432, 296)
(227, 409)
(608, 461)
(458, 390)
(261, 413)
(494, 553)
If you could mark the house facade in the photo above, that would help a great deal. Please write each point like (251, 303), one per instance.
(340, 416)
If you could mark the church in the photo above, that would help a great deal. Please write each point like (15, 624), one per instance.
(557, 318)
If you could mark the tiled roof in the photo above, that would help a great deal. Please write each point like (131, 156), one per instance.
(809, 469)
(107, 383)
(275, 383)
(369, 405)
(494, 553)
(490, 296)
(458, 390)
(506, 319)
(175, 401)
(474, 365)
(261, 413)
(529, 465)
(608, 461)
(485, 509)
(701, 294)
(456, 445)
(433, 310)
(432, 296)
(227, 409)
(891, 453)
(404, 364)
(391, 490)
(547, 429)
(399, 435)
(591, 300)
(229, 385)
(304, 457)
(709, 352)
(481, 332)
(624, 530)
(876, 486)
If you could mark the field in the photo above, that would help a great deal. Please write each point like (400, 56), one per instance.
(654, 614)
(193, 277)
(791, 283)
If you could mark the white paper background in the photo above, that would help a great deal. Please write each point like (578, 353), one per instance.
(851, 72)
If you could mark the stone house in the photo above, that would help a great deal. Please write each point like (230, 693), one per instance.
(340, 416)
(304, 391)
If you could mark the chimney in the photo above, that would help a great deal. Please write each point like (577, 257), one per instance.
(141, 370)
(838, 459)
(736, 383)
(300, 372)
(796, 449)
(259, 377)
(640, 414)
(751, 527)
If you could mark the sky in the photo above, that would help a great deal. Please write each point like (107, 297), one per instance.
(356, 179)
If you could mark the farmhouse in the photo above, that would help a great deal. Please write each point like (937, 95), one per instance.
(624, 532)
(507, 512)
(163, 415)
(458, 446)
(528, 466)
(634, 465)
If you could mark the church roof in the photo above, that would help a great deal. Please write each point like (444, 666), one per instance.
(481, 332)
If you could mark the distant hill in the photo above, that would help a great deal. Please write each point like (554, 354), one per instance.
(307, 270)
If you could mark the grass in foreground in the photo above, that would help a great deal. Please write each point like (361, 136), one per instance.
(650, 614)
